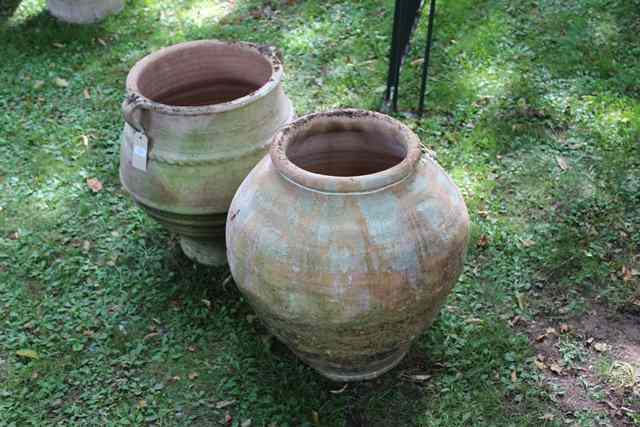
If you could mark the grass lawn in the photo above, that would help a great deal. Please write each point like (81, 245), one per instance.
(533, 108)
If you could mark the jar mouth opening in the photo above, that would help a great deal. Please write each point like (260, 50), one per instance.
(345, 151)
(205, 76)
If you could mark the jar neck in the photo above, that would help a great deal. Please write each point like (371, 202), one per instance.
(345, 151)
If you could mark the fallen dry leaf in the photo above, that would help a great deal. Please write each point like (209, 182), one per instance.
(552, 331)
(527, 243)
(61, 82)
(547, 417)
(224, 403)
(521, 300)
(601, 347)
(515, 321)
(193, 375)
(58, 45)
(417, 378)
(562, 163)
(86, 94)
(149, 336)
(483, 241)
(142, 404)
(339, 390)
(541, 338)
(28, 354)
(555, 368)
(226, 281)
(626, 274)
(192, 349)
(564, 328)
(483, 214)
(102, 42)
(514, 376)
(540, 365)
(94, 184)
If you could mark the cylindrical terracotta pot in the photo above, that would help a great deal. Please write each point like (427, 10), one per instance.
(199, 116)
(346, 239)
(84, 11)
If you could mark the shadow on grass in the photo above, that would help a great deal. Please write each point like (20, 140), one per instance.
(35, 35)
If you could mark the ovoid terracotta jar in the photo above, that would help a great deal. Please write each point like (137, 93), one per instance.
(346, 239)
(84, 11)
(198, 117)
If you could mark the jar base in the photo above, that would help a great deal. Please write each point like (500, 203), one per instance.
(348, 374)
(84, 12)
(210, 252)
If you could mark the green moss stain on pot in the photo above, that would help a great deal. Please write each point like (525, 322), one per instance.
(84, 11)
(201, 114)
(346, 240)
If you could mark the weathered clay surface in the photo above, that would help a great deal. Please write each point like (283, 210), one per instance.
(346, 240)
(84, 11)
(209, 109)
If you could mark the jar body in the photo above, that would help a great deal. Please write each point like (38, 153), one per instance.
(347, 280)
(84, 11)
(197, 157)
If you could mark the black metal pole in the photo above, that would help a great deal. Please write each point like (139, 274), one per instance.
(402, 21)
(392, 78)
(427, 54)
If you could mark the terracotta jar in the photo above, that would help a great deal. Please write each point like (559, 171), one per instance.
(84, 11)
(199, 116)
(346, 239)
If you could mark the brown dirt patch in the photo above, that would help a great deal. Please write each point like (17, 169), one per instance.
(586, 343)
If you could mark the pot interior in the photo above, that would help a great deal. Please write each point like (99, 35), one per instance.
(204, 74)
(347, 149)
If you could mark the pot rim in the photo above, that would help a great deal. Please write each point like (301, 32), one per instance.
(270, 53)
(345, 184)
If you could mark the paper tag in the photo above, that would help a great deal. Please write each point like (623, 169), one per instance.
(140, 151)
